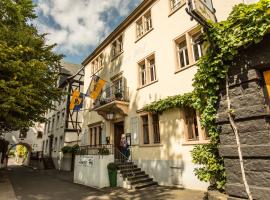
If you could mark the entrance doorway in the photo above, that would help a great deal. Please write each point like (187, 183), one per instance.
(118, 131)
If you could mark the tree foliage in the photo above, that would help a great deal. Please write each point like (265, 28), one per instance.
(246, 26)
(28, 67)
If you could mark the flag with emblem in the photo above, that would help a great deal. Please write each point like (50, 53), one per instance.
(76, 102)
(95, 87)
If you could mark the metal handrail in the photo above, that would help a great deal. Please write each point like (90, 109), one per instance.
(120, 158)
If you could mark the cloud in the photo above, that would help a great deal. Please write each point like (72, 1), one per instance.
(77, 26)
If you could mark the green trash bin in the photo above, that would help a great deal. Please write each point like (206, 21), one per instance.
(113, 178)
(112, 172)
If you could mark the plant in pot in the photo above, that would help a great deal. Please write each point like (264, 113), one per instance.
(118, 95)
(112, 172)
(103, 151)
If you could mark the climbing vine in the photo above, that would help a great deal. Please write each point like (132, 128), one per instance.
(245, 26)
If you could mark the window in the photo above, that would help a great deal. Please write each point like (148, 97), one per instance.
(49, 125)
(152, 69)
(193, 131)
(118, 88)
(117, 47)
(150, 129)
(183, 54)
(95, 135)
(176, 4)
(156, 133)
(39, 134)
(142, 74)
(63, 118)
(97, 64)
(57, 120)
(189, 48)
(61, 142)
(147, 71)
(52, 128)
(145, 129)
(144, 24)
(196, 46)
(55, 144)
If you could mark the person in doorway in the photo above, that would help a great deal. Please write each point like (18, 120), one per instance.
(124, 146)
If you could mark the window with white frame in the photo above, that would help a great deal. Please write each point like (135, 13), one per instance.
(144, 24)
(117, 47)
(182, 52)
(176, 4)
(97, 63)
(189, 48)
(147, 71)
(196, 46)
(150, 132)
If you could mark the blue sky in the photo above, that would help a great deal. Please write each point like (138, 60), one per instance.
(79, 26)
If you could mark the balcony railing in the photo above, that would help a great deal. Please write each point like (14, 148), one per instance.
(112, 93)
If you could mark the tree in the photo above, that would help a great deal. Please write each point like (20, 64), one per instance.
(28, 68)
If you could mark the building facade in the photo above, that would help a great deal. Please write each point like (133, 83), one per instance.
(62, 128)
(151, 55)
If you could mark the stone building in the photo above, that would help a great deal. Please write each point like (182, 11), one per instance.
(250, 100)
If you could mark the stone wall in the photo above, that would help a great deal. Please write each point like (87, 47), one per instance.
(249, 99)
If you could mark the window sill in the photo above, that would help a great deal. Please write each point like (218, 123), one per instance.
(150, 145)
(195, 142)
(176, 9)
(116, 56)
(143, 35)
(184, 68)
(141, 87)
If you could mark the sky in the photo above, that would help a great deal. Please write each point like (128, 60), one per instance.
(78, 26)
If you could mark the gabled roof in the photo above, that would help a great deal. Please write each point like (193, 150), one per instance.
(69, 68)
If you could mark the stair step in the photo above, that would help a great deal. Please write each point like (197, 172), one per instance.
(120, 167)
(137, 177)
(133, 174)
(123, 163)
(144, 185)
(129, 170)
(141, 180)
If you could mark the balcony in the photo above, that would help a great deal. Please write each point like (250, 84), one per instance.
(113, 101)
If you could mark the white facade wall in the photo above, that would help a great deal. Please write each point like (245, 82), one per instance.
(169, 162)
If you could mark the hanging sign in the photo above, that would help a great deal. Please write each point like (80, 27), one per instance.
(204, 9)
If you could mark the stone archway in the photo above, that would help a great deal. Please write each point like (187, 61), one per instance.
(29, 151)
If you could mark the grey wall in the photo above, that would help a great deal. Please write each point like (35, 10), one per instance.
(250, 101)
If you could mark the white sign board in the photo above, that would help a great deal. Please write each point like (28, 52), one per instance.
(86, 161)
(204, 9)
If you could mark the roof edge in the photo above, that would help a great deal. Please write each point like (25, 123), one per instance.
(128, 20)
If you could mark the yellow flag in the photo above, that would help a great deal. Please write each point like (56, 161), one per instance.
(99, 85)
(75, 99)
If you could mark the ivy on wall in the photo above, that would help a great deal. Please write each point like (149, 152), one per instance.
(245, 26)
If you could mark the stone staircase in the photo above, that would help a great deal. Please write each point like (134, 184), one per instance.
(134, 177)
